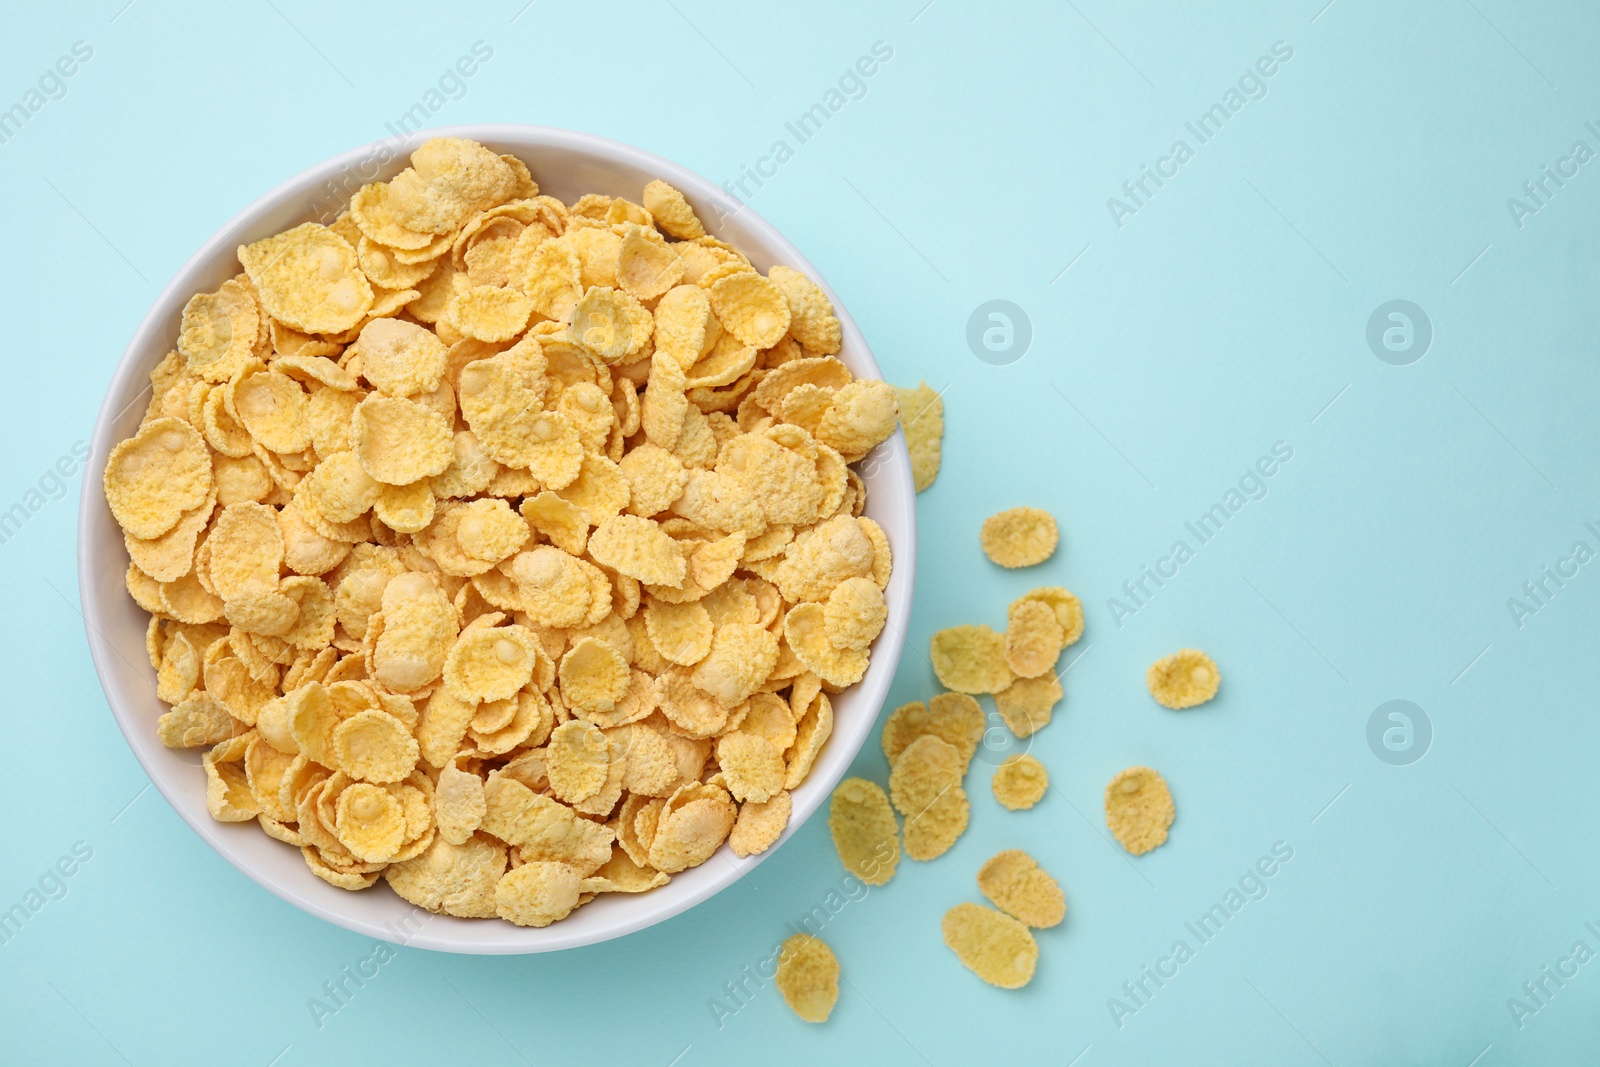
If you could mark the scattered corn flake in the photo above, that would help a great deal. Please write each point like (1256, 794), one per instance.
(1027, 704)
(927, 769)
(1068, 609)
(808, 977)
(922, 418)
(1016, 884)
(1139, 809)
(954, 718)
(1034, 638)
(993, 946)
(1020, 782)
(1184, 679)
(1019, 537)
(970, 659)
(931, 832)
(864, 830)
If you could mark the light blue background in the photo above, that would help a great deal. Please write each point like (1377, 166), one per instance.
(1228, 314)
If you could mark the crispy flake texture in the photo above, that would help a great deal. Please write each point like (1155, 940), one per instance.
(1184, 679)
(922, 418)
(808, 977)
(970, 659)
(1020, 782)
(864, 830)
(1019, 537)
(1016, 884)
(510, 550)
(993, 946)
(1139, 809)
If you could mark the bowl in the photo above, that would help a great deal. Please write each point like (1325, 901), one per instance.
(565, 164)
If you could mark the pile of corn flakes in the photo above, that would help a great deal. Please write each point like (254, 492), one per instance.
(503, 548)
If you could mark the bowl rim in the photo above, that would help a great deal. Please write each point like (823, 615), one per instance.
(709, 878)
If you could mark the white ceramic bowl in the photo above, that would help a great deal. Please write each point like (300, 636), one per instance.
(565, 164)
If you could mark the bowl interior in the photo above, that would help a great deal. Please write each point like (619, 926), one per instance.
(566, 165)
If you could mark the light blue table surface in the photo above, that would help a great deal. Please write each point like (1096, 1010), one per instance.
(1433, 909)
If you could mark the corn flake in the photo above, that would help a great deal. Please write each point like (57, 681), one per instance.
(1019, 537)
(1020, 782)
(922, 418)
(760, 824)
(1184, 679)
(1034, 638)
(639, 548)
(855, 613)
(309, 279)
(490, 663)
(1068, 609)
(671, 211)
(993, 946)
(805, 630)
(970, 659)
(750, 307)
(400, 358)
(157, 475)
(1027, 704)
(752, 766)
(864, 830)
(808, 977)
(594, 676)
(1139, 809)
(859, 416)
(218, 332)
